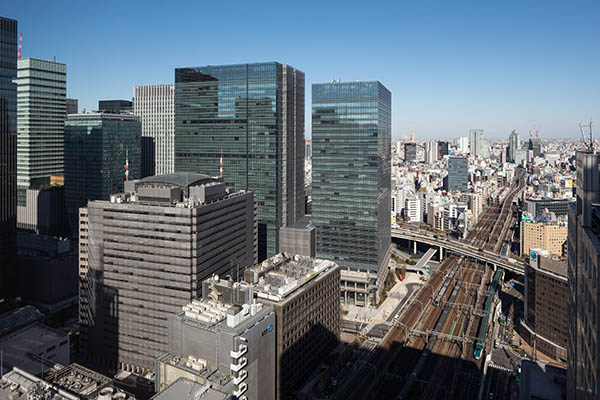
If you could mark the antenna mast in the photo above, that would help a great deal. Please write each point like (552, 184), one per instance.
(127, 164)
(590, 144)
(20, 45)
(221, 165)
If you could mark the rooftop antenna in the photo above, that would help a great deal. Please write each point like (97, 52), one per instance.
(20, 45)
(589, 144)
(537, 134)
(127, 164)
(221, 165)
(530, 133)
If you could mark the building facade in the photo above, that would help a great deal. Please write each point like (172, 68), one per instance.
(443, 149)
(410, 152)
(225, 339)
(458, 174)
(583, 368)
(543, 234)
(97, 147)
(250, 116)
(351, 187)
(148, 251)
(72, 106)
(546, 291)
(41, 112)
(537, 207)
(478, 144)
(8, 148)
(115, 106)
(305, 294)
(154, 105)
(431, 152)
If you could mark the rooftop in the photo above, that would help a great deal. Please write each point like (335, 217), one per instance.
(540, 380)
(181, 179)
(184, 389)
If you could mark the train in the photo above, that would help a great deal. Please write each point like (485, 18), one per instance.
(483, 324)
(438, 298)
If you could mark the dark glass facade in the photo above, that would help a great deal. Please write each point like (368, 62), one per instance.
(96, 146)
(252, 114)
(410, 151)
(115, 106)
(351, 162)
(458, 174)
(8, 147)
(443, 149)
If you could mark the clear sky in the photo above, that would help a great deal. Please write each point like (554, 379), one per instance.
(450, 65)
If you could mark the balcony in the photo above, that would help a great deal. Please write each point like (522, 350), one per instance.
(241, 389)
(237, 380)
(243, 349)
(242, 364)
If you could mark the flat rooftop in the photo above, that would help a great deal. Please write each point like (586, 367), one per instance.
(184, 389)
(540, 380)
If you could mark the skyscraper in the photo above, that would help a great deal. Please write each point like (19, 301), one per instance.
(410, 151)
(155, 106)
(251, 116)
(478, 143)
(535, 144)
(514, 144)
(97, 147)
(431, 152)
(41, 111)
(443, 149)
(458, 174)
(8, 147)
(583, 360)
(351, 164)
(149, 249)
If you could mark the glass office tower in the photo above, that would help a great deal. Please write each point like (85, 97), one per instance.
(458, 174)
(8, 146)
(252, 115)
(351, 164)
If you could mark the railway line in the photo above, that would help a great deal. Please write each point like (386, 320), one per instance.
(429, 352)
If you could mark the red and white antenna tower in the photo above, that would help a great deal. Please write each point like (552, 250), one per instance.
(127, 164)
(20, 45)
(530, 133)
(537, 134)
(221, 165)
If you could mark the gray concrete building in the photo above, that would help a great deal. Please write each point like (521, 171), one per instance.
(225, 340)
(148, 250)
(72, 106)
(305, 293)
(583, 364)
(299, 238)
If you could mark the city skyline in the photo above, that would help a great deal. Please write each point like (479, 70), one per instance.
(439, 63)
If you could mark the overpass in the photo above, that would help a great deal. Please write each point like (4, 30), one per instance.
(461, 248)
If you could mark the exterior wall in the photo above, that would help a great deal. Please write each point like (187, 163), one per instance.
(300, 241)
(96, 146)
(545, 236)
(308, 329)
(458, 174)
(44, 211)
(351, 165)
(72, 106)
(536, 207)
(8, 149)
(252, 114)
(155, 106)
(584, 282)
(410, 152)
(41, 96)
(146, 261)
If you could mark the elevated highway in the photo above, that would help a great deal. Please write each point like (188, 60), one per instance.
(460, 248)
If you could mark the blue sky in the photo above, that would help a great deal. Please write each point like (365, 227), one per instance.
(450, 65)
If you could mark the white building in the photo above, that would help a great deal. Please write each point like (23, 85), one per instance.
(413, 210)
(463, 144)
(154, 105)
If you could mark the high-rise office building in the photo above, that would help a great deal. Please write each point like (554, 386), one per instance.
(535, 144)
(351, 187)
(97, 148)
(410, 151)
(305, 294)
(115, 106)
(431, 152)
(514, 144)
(583, 360)
(149, 249)
(72, 106)
(41, 112)
(443, 149)
(8, 148)
(458, 174)
(250, 116)
(478, 144)
(154, 105)
(308, 150)
(462, 144)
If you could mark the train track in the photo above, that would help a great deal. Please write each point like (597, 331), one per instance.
(448, 371)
